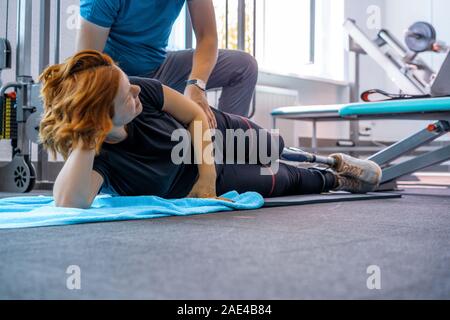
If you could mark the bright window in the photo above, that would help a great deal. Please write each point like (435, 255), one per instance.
(177, 40)
(278, 33)
(283, 34)
(283, 37)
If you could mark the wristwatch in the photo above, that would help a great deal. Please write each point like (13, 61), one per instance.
(198, 83)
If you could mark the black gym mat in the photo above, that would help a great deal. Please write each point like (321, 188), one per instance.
(326, 198)
(280, 201)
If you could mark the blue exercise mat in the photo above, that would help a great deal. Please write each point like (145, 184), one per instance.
(40, 211)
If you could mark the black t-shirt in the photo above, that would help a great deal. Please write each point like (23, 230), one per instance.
(141, 164)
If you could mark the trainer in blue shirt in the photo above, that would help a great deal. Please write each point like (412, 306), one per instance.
(136, 33)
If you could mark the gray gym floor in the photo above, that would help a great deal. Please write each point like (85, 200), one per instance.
(304, 252)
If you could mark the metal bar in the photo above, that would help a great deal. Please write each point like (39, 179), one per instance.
(6, 38)
(44, 61)
(393, 43)
(23, 70)
(312, 32)
(23, 51)
(44, 34)
(58, 32)
(188, 32)
(354, 88)
(354, 133)
(354, 97)
(299, 155)
(360, 149)
(253, 103)
(241, 24)
(314, 144)
(416, 164)
(7, 19)
(402, 147)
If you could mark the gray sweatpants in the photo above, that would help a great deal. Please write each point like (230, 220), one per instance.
(236, 73)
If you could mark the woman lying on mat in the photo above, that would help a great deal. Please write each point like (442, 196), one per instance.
(118, 135)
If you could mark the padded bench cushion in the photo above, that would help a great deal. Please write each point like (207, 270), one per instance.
(397, 106)
(307, 110)
(373, 108)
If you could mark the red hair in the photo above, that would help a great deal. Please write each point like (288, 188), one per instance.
(78, 102)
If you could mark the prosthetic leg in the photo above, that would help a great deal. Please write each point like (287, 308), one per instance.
(352, 174)
(298, 155)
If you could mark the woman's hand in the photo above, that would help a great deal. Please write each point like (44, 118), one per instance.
(205, 188)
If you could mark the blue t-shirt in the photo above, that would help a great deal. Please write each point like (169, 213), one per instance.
(140, 30)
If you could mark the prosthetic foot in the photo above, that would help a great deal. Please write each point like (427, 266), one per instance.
(353, 185)
(365, 171)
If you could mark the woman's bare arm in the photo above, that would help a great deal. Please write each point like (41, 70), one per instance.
(77, 184)
(189, 113)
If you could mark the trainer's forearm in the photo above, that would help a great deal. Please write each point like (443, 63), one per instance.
(205, 59)
(72, 186)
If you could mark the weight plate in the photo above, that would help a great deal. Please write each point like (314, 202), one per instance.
(32, 127)
(420, 37)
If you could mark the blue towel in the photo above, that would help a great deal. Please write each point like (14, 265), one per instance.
(40, 211)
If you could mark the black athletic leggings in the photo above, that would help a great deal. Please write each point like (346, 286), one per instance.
(243, 173)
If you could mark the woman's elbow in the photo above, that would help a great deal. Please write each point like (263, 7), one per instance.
(69, 201)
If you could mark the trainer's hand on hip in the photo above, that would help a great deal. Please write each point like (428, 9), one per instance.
(199, 96)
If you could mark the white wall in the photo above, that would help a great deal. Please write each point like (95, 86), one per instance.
(371, 75)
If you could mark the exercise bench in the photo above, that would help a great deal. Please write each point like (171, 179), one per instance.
(436, 110)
